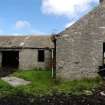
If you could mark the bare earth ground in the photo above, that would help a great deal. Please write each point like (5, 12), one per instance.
(97, 98)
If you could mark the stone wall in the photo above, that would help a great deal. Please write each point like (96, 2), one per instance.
(80, 47)
(0, 59)
(28, 58)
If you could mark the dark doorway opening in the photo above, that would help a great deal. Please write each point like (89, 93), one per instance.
(104, 54)
(41, 55)
(10, 59)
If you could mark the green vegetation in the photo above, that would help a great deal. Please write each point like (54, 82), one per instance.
(4, 86)
(79, 86)
(42, 83)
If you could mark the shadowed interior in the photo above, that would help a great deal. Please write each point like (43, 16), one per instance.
(10, 59)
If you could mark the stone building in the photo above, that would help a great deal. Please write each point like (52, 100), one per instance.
(25, 52)
(81, 47)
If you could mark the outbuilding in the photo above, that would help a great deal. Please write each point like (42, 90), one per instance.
(26, 52)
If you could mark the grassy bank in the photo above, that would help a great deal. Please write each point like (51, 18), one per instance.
(42, 83)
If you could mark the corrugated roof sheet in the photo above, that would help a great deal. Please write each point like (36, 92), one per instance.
(25, 42)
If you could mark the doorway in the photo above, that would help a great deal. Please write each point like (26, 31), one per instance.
(10, 59)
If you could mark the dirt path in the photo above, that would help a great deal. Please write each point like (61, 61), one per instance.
(6, 71)
(98, 98)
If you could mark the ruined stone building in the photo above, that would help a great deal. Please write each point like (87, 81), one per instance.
(81, 47)
(25, 52)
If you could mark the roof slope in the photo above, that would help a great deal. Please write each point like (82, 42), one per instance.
(25, 42)
(94, 18)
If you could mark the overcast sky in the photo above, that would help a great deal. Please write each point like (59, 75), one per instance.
(41, 16)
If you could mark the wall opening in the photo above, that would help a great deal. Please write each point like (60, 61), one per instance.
(104, 54)
(10, 59)
(41, 55)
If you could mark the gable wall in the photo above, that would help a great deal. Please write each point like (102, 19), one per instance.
(80, 47)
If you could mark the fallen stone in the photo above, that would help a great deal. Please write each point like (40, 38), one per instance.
(102, 93)
(87, 92)
(15, 81)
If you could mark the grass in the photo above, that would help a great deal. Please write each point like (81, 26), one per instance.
(78, 86)
(42, 83)
(4, 86)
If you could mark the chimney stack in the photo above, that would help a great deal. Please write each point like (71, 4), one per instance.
(101, 1)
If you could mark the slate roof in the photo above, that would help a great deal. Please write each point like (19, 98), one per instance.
(25, 42)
